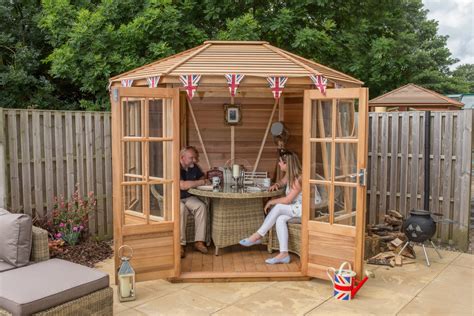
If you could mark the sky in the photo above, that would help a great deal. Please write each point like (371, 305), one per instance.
(456, 19)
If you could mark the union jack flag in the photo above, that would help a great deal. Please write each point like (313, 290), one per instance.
(153, 81)
(127, 83)
(320, 82)
(190, 82)
(342, 287)
(233, 80)
(277, 84)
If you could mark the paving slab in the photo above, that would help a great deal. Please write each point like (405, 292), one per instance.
(182, 302)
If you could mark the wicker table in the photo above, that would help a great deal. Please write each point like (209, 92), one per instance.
(236, 213)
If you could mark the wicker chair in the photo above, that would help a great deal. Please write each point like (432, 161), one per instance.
(97, 303)
(318, 209)
(190, 226)
(294, 237)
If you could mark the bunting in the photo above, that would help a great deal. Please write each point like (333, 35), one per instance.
(190, 82)
(320, 82)
(233, 80)
(153, 81)
(277, 84)
(127, 83)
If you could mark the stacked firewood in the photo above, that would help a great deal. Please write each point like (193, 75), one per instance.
(384, 241)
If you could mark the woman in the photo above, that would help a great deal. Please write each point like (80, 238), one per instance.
(285, 208)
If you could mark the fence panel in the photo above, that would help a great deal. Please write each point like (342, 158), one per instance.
(48, 154)
(397, 142)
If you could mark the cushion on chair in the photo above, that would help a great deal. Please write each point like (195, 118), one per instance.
(5, 266)
(15, 238)
(46, 284)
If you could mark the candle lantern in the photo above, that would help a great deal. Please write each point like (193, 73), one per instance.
(126, 277)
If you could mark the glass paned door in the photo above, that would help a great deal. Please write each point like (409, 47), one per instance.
(334, 161)
(145, 136)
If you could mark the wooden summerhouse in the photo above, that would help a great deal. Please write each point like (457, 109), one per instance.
(412, 97)
(185, 100)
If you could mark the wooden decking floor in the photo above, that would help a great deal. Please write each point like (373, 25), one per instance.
(235, 259)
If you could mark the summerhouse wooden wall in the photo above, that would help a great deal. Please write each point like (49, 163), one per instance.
(256, 112)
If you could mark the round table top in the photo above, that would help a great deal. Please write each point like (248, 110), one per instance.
(229, 192)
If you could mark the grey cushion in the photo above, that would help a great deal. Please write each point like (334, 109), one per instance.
(5, 266)
(4, 211)
(15, 238)
(46, 284)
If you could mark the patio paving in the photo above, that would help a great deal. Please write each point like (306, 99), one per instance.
(445, 288)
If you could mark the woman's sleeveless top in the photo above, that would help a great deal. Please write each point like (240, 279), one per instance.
(296, 204)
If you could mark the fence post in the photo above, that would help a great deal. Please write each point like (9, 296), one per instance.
(3, 165)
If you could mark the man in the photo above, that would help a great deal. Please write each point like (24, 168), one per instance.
(191, 177)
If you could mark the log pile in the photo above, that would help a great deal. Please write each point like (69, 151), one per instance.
(384, 242)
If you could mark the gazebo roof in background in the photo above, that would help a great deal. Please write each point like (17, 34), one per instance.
(413, 96)
(250, 58)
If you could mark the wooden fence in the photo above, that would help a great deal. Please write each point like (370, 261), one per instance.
(47, 153)
(396, 173)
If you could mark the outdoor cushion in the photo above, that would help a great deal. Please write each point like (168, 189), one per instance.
(5, 266)
(42, 285)
(15, 238)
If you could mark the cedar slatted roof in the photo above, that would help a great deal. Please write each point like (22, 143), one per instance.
(257, 58)
(412, 95)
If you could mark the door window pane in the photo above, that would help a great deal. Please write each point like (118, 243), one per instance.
(133, 204)
(132, 159)
(320, 164)
(161, 160)
(161, 206)
(346, 124)
(345, 205)
(321, 119)
(346, 162)
(318, 204)
(155, 117)
(131, 115)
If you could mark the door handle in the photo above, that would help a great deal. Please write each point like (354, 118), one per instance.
(362, 177)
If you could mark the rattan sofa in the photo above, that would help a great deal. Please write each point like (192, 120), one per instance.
(97, 302)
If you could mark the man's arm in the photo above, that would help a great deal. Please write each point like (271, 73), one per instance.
(186, 185)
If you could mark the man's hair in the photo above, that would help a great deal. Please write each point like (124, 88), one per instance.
(185, 149)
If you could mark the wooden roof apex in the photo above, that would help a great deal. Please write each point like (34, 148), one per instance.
(413, 95)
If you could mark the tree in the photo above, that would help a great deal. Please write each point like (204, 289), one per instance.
(72, 47)
(465, 73)
(23, 78)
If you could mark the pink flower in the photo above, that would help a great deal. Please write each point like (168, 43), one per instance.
(81, 227)
(58, 235)
(75, 229)
(61, 225)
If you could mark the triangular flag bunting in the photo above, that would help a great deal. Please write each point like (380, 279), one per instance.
(127, 83)
(277, 84)
(233, 80)
(320, 82)
(190, 82)
(153, 81)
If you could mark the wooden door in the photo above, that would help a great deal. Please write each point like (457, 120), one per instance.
(145, 155)
(334, 192)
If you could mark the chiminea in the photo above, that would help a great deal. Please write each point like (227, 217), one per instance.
(420, 226)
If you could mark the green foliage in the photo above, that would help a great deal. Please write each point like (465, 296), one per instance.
(64, 51)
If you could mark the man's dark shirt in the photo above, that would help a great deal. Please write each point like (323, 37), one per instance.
(192, 174)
